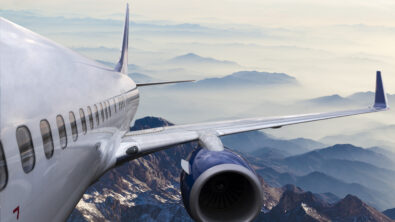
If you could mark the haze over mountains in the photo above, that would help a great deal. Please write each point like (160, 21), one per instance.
(339, 169)
(146, 189)
(350, 165)
(214, 98)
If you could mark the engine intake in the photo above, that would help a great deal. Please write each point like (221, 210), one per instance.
(221, 186)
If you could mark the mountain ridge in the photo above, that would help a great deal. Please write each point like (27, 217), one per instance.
(196, 59)
(241, 79)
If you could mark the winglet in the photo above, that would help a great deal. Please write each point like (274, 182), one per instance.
(380, 101)
(122, 65)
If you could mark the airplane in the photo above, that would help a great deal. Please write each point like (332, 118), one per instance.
(65, 121)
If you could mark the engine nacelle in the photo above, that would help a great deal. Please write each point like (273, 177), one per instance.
(220, 186)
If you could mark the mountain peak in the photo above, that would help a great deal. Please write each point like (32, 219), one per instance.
(294, 197)
(334, 99)
(191, 54)
(150, 122)
(345, 147)
(350, 201)
(351, 208)
(256, 75)
(292, 188)
(242, 79)
(192, 58)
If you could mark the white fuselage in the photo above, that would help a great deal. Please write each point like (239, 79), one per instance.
(40, 79)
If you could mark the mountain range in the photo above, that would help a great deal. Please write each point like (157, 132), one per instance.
(377, 136)
(194, 59)
(350, 153)
(241, 79)
(238, 79)
(257, 141)
(341, 162)
(147, 189)
(331, 100)
(359, 98)
(299, 206)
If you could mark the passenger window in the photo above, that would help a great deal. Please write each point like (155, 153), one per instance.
(3, 169)
(90, 117)
(26, 149)
(115, 105)
(46, 135)
(102, 112)
(62, 131)
(120, 103)
(83, 121)
(109, 107)
(97, 115)
(73, 124)
(105, 109)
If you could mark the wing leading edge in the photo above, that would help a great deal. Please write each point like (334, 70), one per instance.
(138, 143)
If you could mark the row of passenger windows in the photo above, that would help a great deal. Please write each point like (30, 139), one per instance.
(25, 142)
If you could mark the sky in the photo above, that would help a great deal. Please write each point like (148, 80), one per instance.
(257, 12)
(330, 47)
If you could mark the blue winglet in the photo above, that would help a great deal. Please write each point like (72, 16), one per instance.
(122, 65)
(380, 101)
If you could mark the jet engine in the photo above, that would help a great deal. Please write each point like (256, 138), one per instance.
(220, 186)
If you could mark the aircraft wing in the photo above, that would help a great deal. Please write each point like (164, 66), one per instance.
(138, 143)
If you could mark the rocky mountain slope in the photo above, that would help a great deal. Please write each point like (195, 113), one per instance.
(297, 205)
(357, 167)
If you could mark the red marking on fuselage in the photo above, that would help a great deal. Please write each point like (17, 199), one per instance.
(16, 210)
